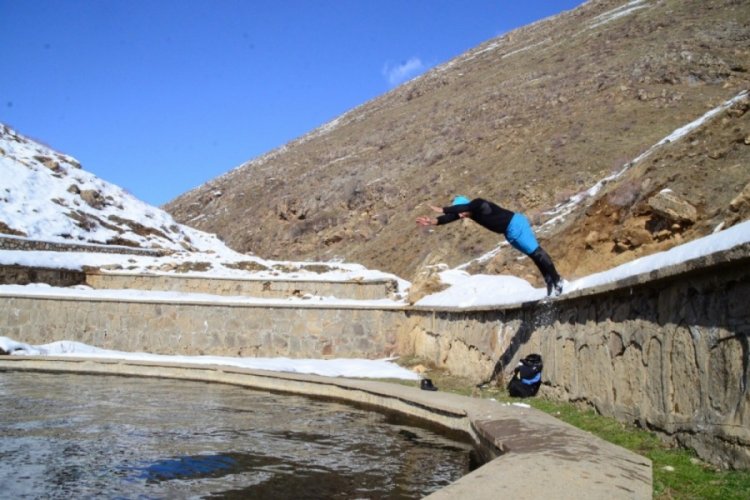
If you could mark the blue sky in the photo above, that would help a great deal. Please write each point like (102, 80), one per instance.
(160, 96)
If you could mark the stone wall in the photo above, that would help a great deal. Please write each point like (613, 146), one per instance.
(10, 243)
(671, 356)
(669, 350)
(202, 329)
(359, 290)
(23, 275)
(269, 288)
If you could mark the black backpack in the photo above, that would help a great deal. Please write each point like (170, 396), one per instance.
(527, 377)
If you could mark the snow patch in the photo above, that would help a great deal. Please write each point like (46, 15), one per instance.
(350, 368)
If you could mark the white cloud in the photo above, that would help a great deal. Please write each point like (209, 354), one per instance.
(399, 73)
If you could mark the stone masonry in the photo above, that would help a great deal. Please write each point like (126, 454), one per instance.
(11, 243)
(668, 351)
(23, 275)
(193, 328)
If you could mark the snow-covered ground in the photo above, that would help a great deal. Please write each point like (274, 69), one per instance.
(352, 368)
(618, 12)
(480, 290)
(36, 199)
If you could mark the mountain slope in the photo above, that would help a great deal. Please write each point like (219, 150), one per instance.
(528, 120)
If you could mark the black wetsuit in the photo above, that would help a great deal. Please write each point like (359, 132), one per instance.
(483, 212)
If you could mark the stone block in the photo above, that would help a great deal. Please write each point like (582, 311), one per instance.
(670, 206)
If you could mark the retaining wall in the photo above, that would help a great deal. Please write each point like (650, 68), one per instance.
(23, 275)
(11, 243)
(201, 328)
(359, 290)
(669, 350)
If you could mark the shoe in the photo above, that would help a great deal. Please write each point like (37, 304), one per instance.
(554, 287)
(549, 280)
(426, 385)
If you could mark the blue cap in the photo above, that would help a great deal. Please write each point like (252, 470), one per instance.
(460, 200)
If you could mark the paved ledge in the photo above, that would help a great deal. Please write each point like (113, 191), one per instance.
(268, 286)
(154, 297)
(532, 454)
(249, 279)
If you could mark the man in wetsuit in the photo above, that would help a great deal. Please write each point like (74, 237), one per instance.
(515, 226)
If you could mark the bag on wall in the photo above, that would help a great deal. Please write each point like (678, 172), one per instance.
(527, 377)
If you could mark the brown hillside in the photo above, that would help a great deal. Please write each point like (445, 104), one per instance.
(528, 120)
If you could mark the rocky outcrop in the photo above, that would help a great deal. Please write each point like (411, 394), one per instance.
(667, 205)
(739, 208)
(426, 282)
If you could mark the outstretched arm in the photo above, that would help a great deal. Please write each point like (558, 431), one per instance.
(444, 217)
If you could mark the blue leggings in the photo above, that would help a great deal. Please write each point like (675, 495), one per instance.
(520, 235)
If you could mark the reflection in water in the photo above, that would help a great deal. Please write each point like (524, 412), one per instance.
(188, 467)
(66, 436)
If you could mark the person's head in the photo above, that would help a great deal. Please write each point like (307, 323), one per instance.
(460, 200)
(532, 359)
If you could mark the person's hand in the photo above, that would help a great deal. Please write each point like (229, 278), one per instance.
(425, 221)
(436, 209)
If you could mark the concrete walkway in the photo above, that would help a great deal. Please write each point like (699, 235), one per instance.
(531, 454)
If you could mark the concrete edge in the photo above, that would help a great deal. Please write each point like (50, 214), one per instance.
(214, 301)
(568, 462)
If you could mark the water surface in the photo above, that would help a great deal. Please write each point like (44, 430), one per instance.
(86, 436)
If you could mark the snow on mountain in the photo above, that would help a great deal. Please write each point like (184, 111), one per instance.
(46, 195)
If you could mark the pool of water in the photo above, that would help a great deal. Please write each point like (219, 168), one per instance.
(85, 436)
